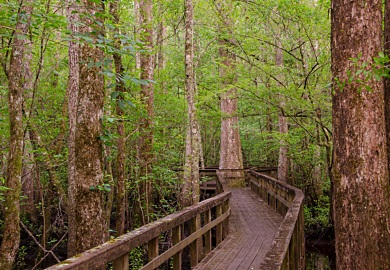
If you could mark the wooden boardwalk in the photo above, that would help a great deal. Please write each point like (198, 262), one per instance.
(253, 225)
(259, 237)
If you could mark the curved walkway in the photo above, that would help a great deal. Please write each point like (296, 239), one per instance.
(253, 225)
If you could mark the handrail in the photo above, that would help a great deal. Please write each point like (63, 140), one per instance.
(288, 248)
(117, 250)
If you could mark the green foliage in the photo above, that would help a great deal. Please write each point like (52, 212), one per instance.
(362, 73)
(136, 258)
(104, 188)
(3, 189)
(317, 216)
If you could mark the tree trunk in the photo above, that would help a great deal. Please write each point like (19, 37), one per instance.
(91, 228)
(10, 243)
(137, 29)
(360, 172)
(387, 80)
(283, 126)
(145, 142)
(230, 152)
(121, 156)
(160, 59)
(190, 190)
(28, 167)
(72, 96)
(28, 180)
(283, 149)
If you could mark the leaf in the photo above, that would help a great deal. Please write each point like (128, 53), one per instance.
(121, 104)
(108, 73)
(92, 188)
(21, 37)
(137, 81)
(110, 119)
(112, 85)
(130, 104)
(90, 64)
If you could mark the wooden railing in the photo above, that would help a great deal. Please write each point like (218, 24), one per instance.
(288, 248)
(199, 239)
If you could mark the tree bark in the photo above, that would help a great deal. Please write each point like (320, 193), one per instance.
(121, 143)
(360, 172)
(387, 80)
(28, 166)
(283, 126)
(10, 243)
(190, 190)
(72, 96)
(145, 142)
(230, 152)
(91, 228)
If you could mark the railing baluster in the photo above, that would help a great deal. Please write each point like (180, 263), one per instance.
(122, 263)
(219, 226)
(225, 225)
(176, 237)
(207, 236)
(153, 249)
(194, 251)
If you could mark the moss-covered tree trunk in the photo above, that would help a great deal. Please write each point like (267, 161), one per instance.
(360, 172)
(10, 243)
(190, 190)
(90, 226)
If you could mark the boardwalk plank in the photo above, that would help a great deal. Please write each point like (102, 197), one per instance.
(253, 227)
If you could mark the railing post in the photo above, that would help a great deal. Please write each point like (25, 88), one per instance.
(207, 235)
(219, 230)
(153, 249)
(122, 263)
(176, 237)
(194, 251)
